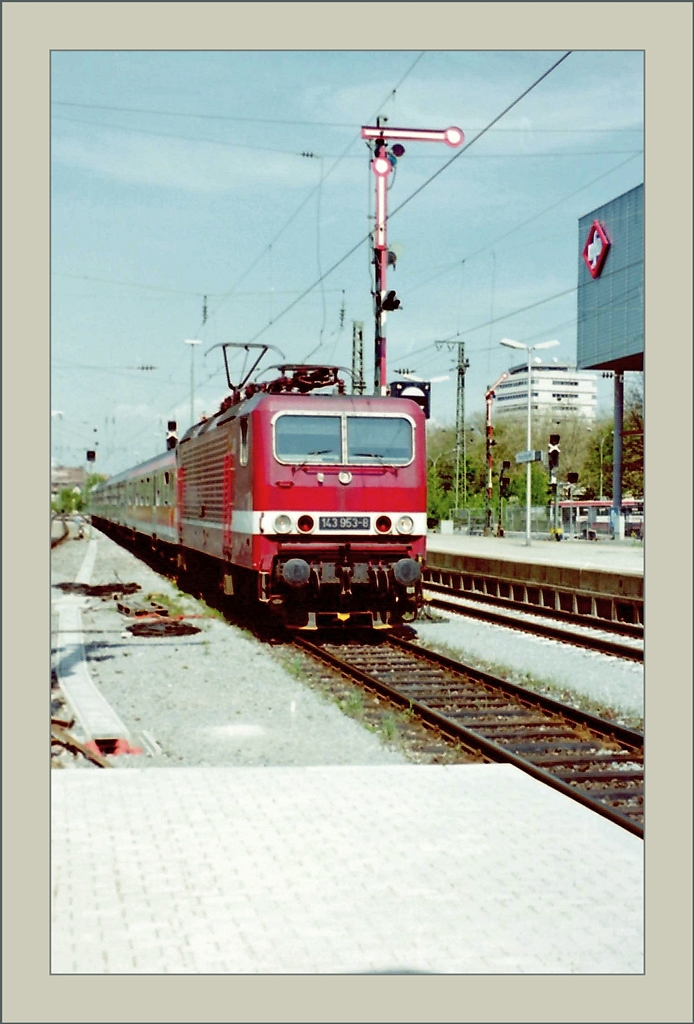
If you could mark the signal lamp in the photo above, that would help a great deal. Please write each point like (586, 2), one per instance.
(381, 166)
(305, 524)
(405, 524)
(391, 302)
(383, 524)
(283, 524)
(398, 149)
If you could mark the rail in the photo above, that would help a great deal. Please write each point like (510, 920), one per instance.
(589, 759)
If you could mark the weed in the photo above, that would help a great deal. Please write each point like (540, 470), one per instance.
(388, 726)
(174, 605)
(294, 665)
(209, 612)
(353, 704)
(546, 687)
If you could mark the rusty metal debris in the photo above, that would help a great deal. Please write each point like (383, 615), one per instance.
(138, 609)
(65, 739)
(100, 589)
(162, 627)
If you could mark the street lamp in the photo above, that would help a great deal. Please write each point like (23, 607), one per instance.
(192, 342)
(509, 343)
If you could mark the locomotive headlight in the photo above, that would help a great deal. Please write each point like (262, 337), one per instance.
(405, 524)
(305, 524)
(283, 524)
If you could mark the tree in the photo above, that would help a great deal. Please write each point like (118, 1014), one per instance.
(600, 449)
(76, 499)
(632, 440)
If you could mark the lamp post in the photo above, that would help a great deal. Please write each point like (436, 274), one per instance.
(192, 342)
(509, 343)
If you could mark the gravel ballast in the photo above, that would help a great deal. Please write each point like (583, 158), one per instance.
(223, 697)
(220, 697)
(608, 681)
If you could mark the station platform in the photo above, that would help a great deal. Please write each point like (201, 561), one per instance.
(384, 869)
(605, 555)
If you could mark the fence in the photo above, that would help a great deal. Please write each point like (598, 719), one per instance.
(474, 521)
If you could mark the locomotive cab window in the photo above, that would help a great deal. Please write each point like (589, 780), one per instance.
(377, 439)
(308, 439)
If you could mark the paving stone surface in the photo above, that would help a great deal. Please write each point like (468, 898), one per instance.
(338, 869)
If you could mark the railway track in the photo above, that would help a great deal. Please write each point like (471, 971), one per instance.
(591, 760)
(609, 614)
(590, 641)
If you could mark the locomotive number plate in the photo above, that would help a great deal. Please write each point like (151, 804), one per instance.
(344, 523)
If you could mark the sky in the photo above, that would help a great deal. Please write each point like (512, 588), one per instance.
(241, 177)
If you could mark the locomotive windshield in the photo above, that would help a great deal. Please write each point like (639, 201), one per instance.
(353, 440)
(379, 439)
(308, 438)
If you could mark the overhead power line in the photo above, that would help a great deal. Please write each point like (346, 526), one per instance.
(524, 223)
(517, 312)
(201, 117)
(355, 138)
(154, 133)
(413, 194)
(311, 194)
(318, 124)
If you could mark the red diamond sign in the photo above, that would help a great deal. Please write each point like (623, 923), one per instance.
(596, 248)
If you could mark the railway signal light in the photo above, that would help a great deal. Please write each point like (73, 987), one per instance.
(553, 452)
(504, 479)
(91, 456)
(572, 478)
(391, 302)
(171, 435)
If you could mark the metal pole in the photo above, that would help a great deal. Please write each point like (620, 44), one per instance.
(382, 166)
(358, 385)
(528, 474)
(192, 385)
(617, 453)
(460, 468)
(488, 442)
(192, 342)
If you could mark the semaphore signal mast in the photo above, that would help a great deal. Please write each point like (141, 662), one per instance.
(383, 162)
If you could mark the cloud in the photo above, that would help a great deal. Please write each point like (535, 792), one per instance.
(590, 92)
(176, 163)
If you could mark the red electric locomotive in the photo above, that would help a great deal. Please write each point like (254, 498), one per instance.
(311, 504)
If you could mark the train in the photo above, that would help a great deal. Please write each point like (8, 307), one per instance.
(593, 518)
(295, 496)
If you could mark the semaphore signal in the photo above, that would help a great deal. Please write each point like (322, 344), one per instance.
(382, 164)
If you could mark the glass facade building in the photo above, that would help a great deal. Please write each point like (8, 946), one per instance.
(610, 334)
